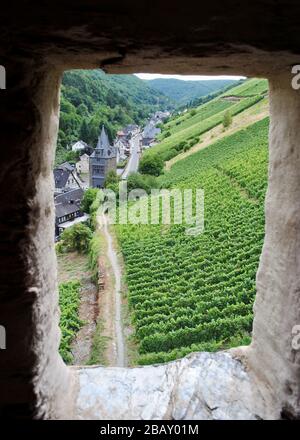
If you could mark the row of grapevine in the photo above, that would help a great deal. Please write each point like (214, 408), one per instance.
(69, 301)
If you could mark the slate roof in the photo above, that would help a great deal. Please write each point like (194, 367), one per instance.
(129, 128)
(62, 173)
(150, 131)
(103, 144)
(67, 166)
(61, 176)
(68, 203)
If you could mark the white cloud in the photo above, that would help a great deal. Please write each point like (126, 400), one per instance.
(185, 77)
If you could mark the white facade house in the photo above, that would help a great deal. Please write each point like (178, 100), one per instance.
(79, 145)
(122, 149)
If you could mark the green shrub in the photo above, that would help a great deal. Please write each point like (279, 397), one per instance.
(142, 181)
(151, 164)
(88, 198)
(75, 238)
(227, 119)
(170, 154)
(111, 178)
(180, 146)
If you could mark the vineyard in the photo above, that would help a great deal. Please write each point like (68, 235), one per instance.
(192, 293)
(69, 301)
(188, 127)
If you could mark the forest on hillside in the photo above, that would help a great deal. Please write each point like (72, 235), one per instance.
(182, 92)
(90, 99)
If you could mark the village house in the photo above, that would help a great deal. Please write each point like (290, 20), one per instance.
(66, 178)
(131, 130)
(67, 209)
(79, 146)
(101, 161)
(122, 147)
(149, 134)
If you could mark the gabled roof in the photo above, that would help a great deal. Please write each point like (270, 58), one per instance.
(84, 156)
(62, 173)
(79, 145)
(123, 142)
(67, 166)
(129, 128)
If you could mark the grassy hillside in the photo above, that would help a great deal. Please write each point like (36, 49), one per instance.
(185, 130)
(251, 87)
(91, 98)
(190, 293)
(253, 114)
(182, 92)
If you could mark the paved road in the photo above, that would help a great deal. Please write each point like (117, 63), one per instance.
(133, 162)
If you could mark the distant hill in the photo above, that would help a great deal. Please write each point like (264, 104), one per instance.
(90, 98)
(184, 130)
(182, 92)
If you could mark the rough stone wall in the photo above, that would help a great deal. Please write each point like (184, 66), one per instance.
(123, 37)
(277, 305)
(30, 366)
(202, 386)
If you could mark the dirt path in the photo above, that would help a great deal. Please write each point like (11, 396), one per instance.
(88, 312)
(110, 300)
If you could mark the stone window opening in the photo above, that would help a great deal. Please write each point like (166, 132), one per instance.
(259, 381)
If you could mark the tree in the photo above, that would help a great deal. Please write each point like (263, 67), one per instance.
(76, 238)
(227, 119)
(139, 181)
(84, 132)
(88, 198)
(111, 179)
(82, 110)
(151, 164)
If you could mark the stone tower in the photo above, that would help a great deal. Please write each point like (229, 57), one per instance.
(102, 160)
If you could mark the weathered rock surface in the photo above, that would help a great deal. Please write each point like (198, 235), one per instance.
(201, 386)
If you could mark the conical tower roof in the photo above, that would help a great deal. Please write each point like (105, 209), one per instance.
(103, 141)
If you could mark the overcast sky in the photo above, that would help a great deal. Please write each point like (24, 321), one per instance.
(184, 77)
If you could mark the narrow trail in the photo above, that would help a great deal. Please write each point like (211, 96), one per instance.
(118, 336)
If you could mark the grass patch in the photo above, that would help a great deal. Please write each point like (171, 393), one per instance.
(99, 346)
